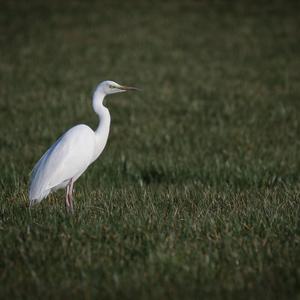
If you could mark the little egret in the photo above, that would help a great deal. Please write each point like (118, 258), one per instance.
(65, 161)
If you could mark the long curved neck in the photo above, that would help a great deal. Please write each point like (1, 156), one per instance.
(102, 130)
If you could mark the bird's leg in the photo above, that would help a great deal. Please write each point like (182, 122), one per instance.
(67, 198)
(71, 195)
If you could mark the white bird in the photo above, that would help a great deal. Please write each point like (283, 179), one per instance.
(65, 161)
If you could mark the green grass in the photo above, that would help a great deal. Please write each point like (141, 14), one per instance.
(197, 192)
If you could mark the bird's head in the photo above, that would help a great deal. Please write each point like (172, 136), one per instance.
(110, 87)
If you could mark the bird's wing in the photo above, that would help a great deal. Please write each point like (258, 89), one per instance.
(69, 156)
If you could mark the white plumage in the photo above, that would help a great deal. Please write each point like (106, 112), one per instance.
(66, 160)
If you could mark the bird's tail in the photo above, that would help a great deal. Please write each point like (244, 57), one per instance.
(32, 202)
(37, 199)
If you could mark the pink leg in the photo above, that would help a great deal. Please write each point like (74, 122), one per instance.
(69, 197)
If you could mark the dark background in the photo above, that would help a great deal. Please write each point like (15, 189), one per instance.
(197, 192)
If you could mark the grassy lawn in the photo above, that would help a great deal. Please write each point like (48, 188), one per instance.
(197, 192)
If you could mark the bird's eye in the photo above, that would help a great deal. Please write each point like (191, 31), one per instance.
(111, 86)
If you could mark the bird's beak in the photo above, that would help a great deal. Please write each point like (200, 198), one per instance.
(128, 88)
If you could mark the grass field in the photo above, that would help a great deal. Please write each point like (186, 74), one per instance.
(197, 192)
